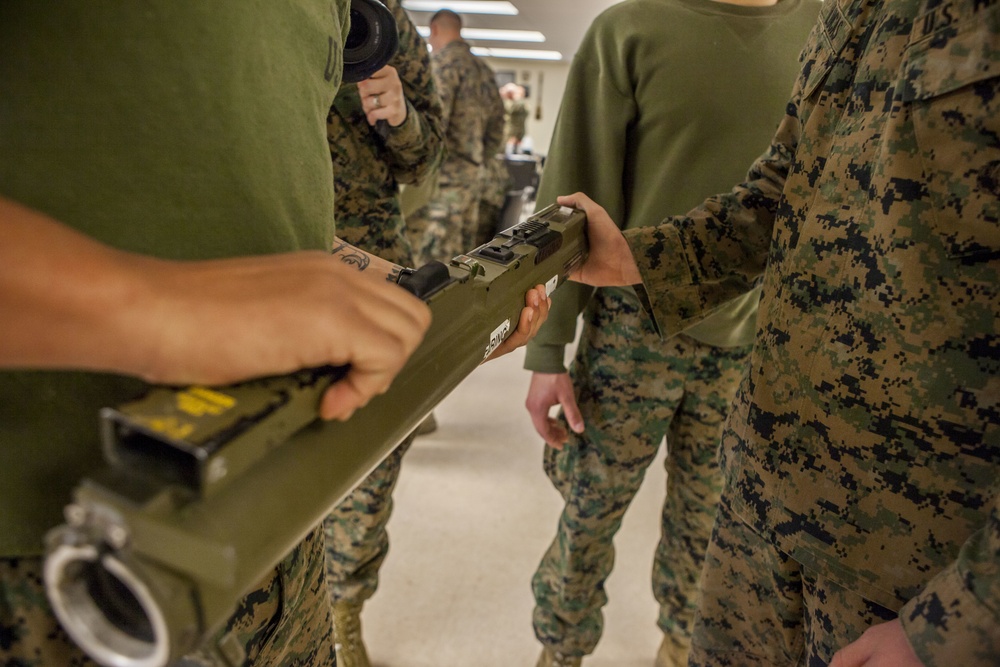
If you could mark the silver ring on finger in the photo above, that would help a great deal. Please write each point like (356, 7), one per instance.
(377, 101)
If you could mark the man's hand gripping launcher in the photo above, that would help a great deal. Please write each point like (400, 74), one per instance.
(206, 490)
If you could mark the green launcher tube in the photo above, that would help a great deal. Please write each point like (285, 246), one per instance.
(207, 489)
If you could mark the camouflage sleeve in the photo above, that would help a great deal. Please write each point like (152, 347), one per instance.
(955, 620)
(415, 147)
(694, 263)
(448, 78)
(493, 138)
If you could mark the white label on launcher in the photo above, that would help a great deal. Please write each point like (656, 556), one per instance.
(497, 337)
(551, 285)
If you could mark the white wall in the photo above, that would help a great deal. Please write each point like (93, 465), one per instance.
(547, 77)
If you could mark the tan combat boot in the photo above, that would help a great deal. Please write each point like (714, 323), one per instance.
(427, 426)
(347, 628)
(550, 658)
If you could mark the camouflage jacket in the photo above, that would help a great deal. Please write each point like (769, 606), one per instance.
(515, 119)
(368, 169)
(496, 181)
(473, 112)
(865, 440)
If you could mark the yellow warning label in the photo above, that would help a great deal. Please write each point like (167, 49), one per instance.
(201, 401)
(170, 427)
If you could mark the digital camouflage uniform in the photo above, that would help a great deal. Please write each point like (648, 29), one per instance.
(633, 389)
(640, 132)
(515, 119)
(180, 144)
(496, 183)
(263, 632)
(367, 170)
(473, 132)
(863, 450)
(277, 624)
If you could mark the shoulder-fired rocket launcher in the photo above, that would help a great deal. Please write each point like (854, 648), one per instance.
(207, 489)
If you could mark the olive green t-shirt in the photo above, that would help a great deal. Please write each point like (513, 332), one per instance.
(172, 128)
(668, 102)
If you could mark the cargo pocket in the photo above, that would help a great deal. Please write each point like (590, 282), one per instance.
(951, 80)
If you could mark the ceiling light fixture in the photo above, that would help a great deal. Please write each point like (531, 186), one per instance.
(523, 54)
(494, 35)
(462, 6)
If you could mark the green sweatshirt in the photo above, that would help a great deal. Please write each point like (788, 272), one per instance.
(668, 101)
(171, 128)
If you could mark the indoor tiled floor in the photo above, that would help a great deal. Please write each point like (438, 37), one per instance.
(473, 514)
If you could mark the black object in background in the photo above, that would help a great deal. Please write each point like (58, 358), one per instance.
(371, 42)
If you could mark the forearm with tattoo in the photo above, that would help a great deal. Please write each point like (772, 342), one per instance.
(348, 254)
(362, 261)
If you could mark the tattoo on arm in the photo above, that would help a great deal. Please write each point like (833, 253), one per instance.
(393, 275)
(350, 255)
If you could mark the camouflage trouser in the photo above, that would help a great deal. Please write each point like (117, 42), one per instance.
(760, 608)
(30, 635)
(486, 228)
(356, 538)
(286, 621)
(447, 225)
(633, 389)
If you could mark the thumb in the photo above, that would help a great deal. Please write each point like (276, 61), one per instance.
(575, 200)
(571, 411)
(352, 392)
